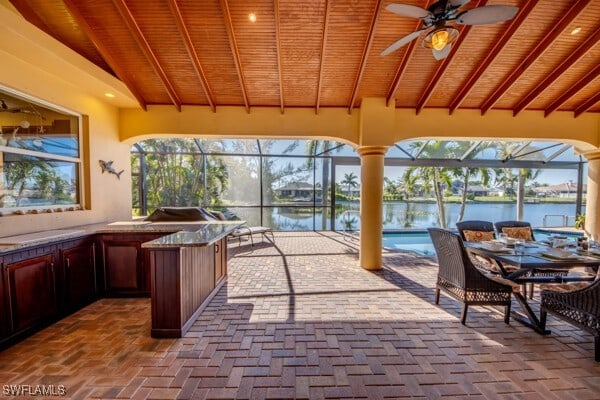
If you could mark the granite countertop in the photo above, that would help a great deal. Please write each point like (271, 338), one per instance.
(194, 229)
(206, 235)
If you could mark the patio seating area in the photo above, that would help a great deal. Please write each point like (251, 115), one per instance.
(300, 319)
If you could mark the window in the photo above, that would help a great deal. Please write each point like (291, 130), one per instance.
(40, 157)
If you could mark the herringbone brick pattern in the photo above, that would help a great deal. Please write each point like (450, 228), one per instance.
(302, 320)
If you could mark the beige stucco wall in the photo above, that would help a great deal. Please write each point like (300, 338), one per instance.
(374, 124)
(34, 64)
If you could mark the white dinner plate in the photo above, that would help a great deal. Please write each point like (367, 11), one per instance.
(495, 249)
(570, 256)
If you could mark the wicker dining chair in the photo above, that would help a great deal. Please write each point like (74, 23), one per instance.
(459, 278)
(478, 231)
(579, 307)
(472, 230)
(523, 225)
(519, 225)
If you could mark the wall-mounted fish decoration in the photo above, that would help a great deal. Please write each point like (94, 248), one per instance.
(107, 166)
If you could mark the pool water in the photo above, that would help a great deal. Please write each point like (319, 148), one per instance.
(420, 242)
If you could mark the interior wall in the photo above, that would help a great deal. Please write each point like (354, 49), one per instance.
(36, 65)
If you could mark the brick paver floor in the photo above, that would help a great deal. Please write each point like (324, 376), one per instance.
(301, 320)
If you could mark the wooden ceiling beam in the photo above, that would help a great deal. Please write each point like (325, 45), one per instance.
(93, 35)
(278, 48)
(30, 15)
(567, 63)
(443, 66)
(323, 46)
(491, 55)
(588, 104)
(573, 90)
(189, 45)
(235, 52)
(365, 55)
(538, 50)
(143, 44)
(404, 62)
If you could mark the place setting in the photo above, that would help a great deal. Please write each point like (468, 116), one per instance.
(556, 253)
(495, 246)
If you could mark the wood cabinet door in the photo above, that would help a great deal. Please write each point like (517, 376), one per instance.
(127, 264)
(32, 291)
(4, 309)
(123, 266)
(80, 275)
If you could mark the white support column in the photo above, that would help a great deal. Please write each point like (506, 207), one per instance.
(592, 212)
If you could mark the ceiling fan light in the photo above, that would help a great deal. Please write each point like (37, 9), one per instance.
(440, 38)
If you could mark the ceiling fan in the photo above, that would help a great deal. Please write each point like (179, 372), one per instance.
(438, 22)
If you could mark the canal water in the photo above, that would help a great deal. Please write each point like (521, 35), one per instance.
(407, 215)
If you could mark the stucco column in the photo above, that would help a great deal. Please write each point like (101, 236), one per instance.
(592, 213)
(371, 205)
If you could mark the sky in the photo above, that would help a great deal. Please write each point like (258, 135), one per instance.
(549, 176)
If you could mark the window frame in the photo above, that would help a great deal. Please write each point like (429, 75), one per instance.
(79, 161)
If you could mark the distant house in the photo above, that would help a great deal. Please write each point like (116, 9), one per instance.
(354, 191)
(564, 190)
(496, 192)
(476, 190)
(296, 191)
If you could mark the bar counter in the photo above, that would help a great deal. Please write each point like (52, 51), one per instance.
(187, 268)
(47, 275)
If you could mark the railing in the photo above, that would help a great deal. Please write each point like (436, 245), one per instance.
(347, 231)
(566, 220)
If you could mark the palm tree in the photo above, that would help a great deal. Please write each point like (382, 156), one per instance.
(505, 178)
(432, 177)
(174, 174)
(465, 174)
(315, 147)
(390, 188)
(407, 186)
(350, 182)
(523, 176)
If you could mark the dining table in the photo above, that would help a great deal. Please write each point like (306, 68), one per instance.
(517, 263)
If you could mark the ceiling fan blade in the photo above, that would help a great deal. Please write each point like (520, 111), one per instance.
(443, 53)
(458, 3)
(408, 10)
(402, 41)
(487, 15)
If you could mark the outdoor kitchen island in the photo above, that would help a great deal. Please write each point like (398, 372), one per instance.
(186, 270)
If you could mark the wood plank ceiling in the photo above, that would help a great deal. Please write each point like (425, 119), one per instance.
(326, 53)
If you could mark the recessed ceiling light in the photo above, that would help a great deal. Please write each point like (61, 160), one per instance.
(109, 95)
(576, 31)
(252, 17)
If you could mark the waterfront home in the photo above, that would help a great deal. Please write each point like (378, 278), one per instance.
(296, 191)
(563, 190)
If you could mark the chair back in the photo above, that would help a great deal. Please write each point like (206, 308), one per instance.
(513, 224)
(452, 257)
(474, 226)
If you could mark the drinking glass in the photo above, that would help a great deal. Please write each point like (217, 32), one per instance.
(519, 249)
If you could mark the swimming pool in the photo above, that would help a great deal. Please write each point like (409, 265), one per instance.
(420, 242)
